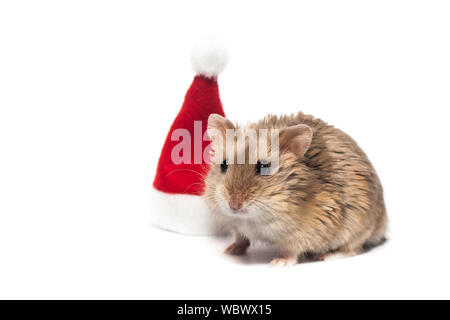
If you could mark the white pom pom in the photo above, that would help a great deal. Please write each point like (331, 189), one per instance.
(209, 57)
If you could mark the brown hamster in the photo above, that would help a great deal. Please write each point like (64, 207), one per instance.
(324, 198)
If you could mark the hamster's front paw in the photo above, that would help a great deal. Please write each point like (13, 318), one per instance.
(238, 248)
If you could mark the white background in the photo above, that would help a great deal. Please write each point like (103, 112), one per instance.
(88, 90)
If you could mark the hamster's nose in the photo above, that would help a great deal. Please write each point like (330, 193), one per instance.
(235, 202)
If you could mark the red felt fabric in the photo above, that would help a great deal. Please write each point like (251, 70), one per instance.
(201, 100)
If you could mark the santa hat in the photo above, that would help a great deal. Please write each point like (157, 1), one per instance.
(177, 202)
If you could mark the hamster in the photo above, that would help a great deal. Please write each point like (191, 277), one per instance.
(323, 199)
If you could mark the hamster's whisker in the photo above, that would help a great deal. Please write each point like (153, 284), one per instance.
(175, 170)
(261, 206)
(191, 186)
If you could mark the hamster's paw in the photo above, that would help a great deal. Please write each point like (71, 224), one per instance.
(238, 248)
(336, 255)
(284, 261)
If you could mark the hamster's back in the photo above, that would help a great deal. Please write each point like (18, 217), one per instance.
(343, 170)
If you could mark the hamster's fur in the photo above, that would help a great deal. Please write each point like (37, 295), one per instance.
(325, 198)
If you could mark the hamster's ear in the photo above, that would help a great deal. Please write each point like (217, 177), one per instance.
(296, 139)
(217, 129)
(218, 126)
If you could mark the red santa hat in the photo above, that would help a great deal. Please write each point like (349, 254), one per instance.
(177, 203)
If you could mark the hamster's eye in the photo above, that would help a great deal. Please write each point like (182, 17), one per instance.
(224, 166)
(260, 165)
